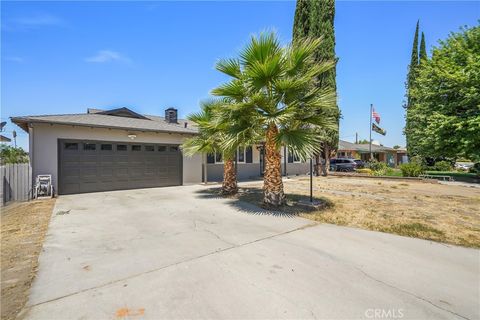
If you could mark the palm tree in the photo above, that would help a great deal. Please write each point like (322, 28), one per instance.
(211, 134)
(273, 95)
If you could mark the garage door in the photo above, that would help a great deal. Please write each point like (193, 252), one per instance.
(90, 166)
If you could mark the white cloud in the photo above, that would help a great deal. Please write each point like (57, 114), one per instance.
(14, 59)
(103, 56)
(37, 20)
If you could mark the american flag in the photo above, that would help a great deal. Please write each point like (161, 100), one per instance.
(376, 116)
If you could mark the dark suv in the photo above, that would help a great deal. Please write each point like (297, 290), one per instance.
(343, 165)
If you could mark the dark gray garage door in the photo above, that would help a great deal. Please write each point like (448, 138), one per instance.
(89, 166)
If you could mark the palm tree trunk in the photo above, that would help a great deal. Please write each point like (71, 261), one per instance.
(326, 169)
(229, 185)
(272, 180)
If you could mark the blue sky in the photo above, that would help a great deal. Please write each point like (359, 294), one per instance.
(63, 57)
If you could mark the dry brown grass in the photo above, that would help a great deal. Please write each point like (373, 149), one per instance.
(443, 213)
(23, 230)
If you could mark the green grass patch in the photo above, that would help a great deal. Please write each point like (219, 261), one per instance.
(452, 174)
(417, 230)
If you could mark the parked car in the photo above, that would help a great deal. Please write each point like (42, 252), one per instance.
(343, 165)
(360, 163)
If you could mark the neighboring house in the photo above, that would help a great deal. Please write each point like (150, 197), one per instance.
(361, 151)
(4, 139)
(104, 150)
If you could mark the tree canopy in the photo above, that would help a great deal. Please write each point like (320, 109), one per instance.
(9, 154)
(446, 112)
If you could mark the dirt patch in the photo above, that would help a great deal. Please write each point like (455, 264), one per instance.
(23, 230)
(444, 213)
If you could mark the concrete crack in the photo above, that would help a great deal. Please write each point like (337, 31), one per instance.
(409, 293)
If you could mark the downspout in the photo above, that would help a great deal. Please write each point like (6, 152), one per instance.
(285, 160)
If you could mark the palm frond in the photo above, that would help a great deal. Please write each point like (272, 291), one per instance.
(230, 67)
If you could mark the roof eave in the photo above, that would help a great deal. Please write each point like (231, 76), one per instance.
(23, 123)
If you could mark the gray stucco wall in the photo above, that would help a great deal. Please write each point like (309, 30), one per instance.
(252, 170)
(44, 153)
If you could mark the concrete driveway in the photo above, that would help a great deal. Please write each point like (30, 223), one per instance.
(175, 253)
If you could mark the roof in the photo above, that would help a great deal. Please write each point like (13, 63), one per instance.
(4, 139)
(121, 118)
(345, 145)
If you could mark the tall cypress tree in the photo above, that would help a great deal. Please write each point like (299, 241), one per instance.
(412, 70)
(315, 18)
(301, 24)
(412, 73)
(423, 50)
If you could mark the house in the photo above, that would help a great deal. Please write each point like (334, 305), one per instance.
(103, 150)
(4, 139)
(362, 151)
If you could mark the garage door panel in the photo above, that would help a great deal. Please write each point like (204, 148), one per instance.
(89, 166)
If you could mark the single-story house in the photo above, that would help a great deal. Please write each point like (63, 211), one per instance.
(103, 150)
(4, 139)
(362, 151)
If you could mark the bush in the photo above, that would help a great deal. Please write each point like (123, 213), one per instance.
(412, 169)
(365, 171)
(378, 168)
(475, 169)
(442, 166)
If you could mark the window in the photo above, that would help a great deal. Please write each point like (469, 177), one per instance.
(89, 146)
(241, 154)
(106, 147)
(249, 154)
(218, 157)
(136, 147)
(121, 147)
(162, 148)
(210, 158)
(149, 148)
(173, 148)
(293, 158)
(71, 146)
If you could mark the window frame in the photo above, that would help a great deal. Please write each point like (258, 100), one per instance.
(106, 144)
(293, 157)
(241, 153)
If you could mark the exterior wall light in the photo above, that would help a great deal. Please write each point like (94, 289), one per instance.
(132, 136)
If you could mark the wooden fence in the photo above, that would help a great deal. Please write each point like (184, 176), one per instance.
(16, 182)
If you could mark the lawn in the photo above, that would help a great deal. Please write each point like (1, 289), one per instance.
(443, 213)
(23, 230)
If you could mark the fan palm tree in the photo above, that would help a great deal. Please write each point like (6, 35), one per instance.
(211, 134)
(274, 96)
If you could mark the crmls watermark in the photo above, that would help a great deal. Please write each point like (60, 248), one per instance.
(384, 313)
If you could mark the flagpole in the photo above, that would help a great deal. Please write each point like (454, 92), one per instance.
(370, 144)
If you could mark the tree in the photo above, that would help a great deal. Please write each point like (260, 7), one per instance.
(396, 146)
(411, 76)
(423, 50)
(209, 140)
(301, 23)
(10, 154)
(315, 19)
(447, 99)
(364, 141)
(282, 104)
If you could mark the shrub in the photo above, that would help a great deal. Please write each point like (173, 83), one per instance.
(411, 169)
(378, 168)
(364, 171)
(475, 169)
(442, 166)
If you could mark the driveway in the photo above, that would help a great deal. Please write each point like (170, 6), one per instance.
(178, 253)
